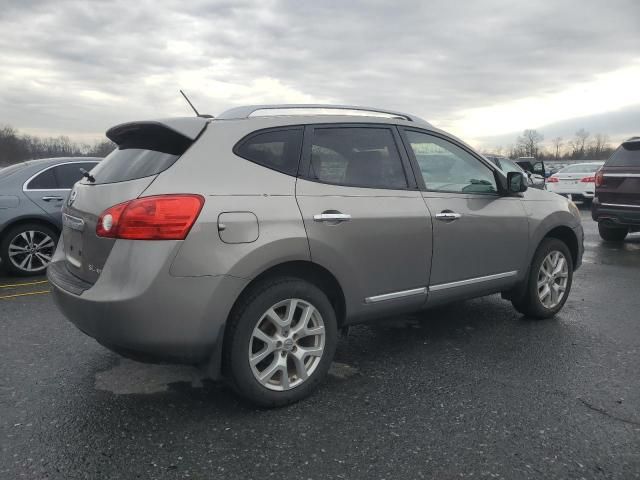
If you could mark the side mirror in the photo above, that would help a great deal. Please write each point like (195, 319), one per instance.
(516, 182)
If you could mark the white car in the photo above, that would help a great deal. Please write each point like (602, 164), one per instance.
(577, 180)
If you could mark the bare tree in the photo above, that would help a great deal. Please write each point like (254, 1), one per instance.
(528, 144)
(557, 145)
(16, 147)
(599, 147)
(578, 143)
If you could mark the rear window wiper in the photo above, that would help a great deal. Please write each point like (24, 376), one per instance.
(87, 175)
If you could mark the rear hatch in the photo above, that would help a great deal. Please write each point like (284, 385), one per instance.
(619, 179)
(145, 149)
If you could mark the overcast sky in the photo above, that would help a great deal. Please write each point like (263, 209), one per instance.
(477, 68)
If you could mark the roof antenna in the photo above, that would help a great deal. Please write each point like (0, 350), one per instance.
(194, 108)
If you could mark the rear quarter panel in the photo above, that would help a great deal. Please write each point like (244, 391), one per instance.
(233, 184)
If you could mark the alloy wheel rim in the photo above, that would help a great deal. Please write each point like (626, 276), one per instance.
(553, 277)
(31, 250)
(287, 344)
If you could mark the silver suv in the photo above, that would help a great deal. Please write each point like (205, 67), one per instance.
(245, 243)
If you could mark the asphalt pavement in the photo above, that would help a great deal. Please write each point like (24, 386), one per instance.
(472, 390)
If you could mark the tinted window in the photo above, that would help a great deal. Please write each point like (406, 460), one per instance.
(448, 168)
(131, 163)
(627, 155)
(359, 157)
(276, 149)
(44, 181)
(67, 175)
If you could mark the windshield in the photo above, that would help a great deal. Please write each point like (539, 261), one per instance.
(507, 166)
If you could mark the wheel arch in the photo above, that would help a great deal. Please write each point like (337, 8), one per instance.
(27, 220)
(310, 272)
(568, 237)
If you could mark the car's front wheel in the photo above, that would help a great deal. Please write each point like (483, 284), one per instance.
(280, 342)
(612, 234)
(549, 281)
(27, 249)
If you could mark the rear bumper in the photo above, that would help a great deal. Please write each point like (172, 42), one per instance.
(588, 193)
(138, 309)
(622, 215)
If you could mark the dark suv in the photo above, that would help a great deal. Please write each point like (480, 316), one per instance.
(616, 206)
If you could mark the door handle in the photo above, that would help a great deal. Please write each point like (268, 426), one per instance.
(447, 216)
(332, 217)
(50, 199)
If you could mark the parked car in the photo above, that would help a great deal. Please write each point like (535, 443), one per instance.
(31, 197)
(616, 206)
(244, 243)
(507, 165)
(577, 180)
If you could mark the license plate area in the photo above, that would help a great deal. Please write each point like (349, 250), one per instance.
(72, 235)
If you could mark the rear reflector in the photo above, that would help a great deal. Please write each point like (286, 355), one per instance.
(588, 179)
(161, 217)
(552, 179)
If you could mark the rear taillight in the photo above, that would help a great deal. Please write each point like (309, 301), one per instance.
(552, 179)
(588, 179)
(599, 178)
(161, 217)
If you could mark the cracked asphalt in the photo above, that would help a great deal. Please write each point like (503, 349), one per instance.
(472, 390)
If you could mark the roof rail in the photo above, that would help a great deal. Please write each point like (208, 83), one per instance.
(238, 113)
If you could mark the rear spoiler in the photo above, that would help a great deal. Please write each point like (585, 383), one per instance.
(173, 135)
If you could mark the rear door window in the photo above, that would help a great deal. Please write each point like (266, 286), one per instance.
(627, 155)
(46, 180)
(357, 157)
(130, 164)
(276, 149)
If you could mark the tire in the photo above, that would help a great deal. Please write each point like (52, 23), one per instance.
(20, 252)
(612, 234)
(285, 347)
(533, 303)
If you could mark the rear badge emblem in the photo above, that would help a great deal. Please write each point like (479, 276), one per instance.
(72, 197)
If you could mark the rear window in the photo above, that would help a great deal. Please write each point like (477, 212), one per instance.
(131, 163)
(581, 168)
(627, 155)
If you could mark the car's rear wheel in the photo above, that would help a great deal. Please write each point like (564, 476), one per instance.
(27, 249)
(549, 281)
(280, 342)
(612, 234)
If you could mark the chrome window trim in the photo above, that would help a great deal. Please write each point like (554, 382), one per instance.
(622, 175)
(394, 295)
(619, 205)
(24, 185)
(471, 281)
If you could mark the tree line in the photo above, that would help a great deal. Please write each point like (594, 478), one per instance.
(16, 147)
(582, 146)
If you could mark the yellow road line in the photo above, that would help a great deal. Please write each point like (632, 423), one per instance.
(41, 292)
(39, 282)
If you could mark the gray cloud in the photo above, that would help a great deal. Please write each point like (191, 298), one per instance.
(76, 67)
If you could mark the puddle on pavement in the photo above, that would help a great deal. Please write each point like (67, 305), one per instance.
(129, 377)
